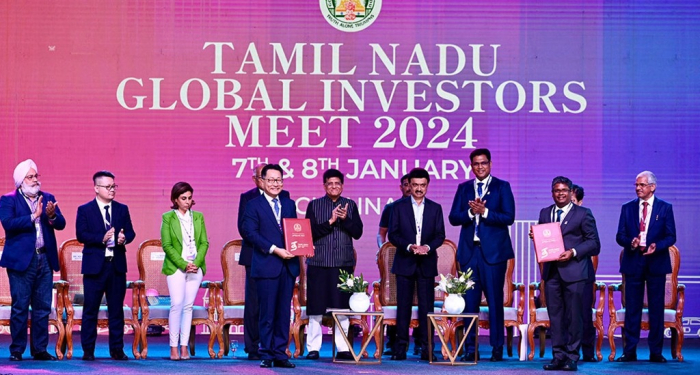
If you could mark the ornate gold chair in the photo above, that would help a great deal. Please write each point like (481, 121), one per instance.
(6, 305)
(231, 294)
(70, 257)
(540, 318)
(150, 263)
(673, 308)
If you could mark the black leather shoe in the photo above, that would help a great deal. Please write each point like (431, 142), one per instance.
(388, 352)
(587, 358)
(627, 358)
(118, 355)
(44, 356)
(344, 356)
(425, 357)
(398, 357)
(312, 354)
(266, 363)
(570, 366)
(416, 349)
(469, 357)
(284, 363)
(88, 357)
(554, 365)
(496, 355)
(253, 356)
(658, 358)
(15, 356)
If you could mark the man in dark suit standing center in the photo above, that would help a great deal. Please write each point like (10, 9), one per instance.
(484, 207)
(273, 268)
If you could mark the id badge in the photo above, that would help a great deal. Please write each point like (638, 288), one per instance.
(643, 239)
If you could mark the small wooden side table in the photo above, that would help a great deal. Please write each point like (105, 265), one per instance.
(446, 326)
(378, 317)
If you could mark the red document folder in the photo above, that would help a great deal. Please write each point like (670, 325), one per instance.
(549, 243)
(297, 237)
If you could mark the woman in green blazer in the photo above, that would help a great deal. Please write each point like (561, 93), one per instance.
(185, 243)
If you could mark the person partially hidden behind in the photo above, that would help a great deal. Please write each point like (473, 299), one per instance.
(646, 231)
(29, 217)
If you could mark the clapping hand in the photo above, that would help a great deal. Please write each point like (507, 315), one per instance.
(39, 208)
(650, 249)
(51, 209)
(121, 238)
(477, 206)
(108, 235)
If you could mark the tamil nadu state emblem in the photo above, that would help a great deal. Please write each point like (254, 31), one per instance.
(350, 15)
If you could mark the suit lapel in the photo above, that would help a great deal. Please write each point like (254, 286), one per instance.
(654, 211)
(175, 228)
(197, 220)
(22, 204)
(269, 210)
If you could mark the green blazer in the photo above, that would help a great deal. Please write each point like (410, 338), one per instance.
(171, 238)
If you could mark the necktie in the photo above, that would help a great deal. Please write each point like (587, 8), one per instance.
(277, 211)
(643, 223)
(559, 212)
(108, 219)
(479, 192)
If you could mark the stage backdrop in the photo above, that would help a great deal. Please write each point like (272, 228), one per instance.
(200, 91)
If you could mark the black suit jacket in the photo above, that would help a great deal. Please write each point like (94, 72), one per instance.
(90, 230)
(247, 248)
(661, 231)
(579, 231)
(260, 228)
(402, 233)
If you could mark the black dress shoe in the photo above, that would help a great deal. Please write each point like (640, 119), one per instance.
(496, 356)
(284, 363)
(570, 366)
(416, 349)
(88, 357)
(398, 357)
(627, 358)
(424, 357)
(15, 356)
(469, 357)
(587, 358)
(312, 354)
(44, 356)
(554, 365)
(388, 352)
(253, 356)
(658, 358)
(344, 356)
(266, 363)
(118, 355)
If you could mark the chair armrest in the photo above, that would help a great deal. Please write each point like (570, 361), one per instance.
(600, 307)
(376, 286)
(520, 304)
(534, 286)
(681, 301)
(615, 287)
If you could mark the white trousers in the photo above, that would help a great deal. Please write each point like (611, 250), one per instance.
(183, 289)
(314, 334)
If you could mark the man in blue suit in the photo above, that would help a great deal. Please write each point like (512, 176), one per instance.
(417, 229)
(251, 314)
(565, 279)
(273, 267)
(484, 207)
(29, 217)
(103, 225)
(646, 231)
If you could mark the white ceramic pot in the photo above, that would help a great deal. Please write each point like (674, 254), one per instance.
(359, 302)
(454, 304)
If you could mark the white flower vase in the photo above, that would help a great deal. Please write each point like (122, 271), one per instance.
(454, 304)
(359, 302)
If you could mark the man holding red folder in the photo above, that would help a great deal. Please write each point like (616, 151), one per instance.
(565, 278)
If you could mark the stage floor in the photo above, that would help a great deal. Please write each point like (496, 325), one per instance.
(159, 351)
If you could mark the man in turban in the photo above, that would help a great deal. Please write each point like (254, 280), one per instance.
(29, 217)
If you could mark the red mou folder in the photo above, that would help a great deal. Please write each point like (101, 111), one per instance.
(549, 243)
(297, 237)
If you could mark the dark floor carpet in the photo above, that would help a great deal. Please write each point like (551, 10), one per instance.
(158, 362)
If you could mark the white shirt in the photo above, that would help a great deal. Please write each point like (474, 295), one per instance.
(565, 212)
(418, 209)
(278, 216)
(189, 247)
(484, 190)
(647, 220)
(109, 252)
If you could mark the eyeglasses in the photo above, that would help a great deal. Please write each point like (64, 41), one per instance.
(32, 176)
(109, 187)
(274, 182)
(643, 186)
(481, 164)
(560, 191)
(329, 184)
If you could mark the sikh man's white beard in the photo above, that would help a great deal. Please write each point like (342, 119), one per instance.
(31, 191)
